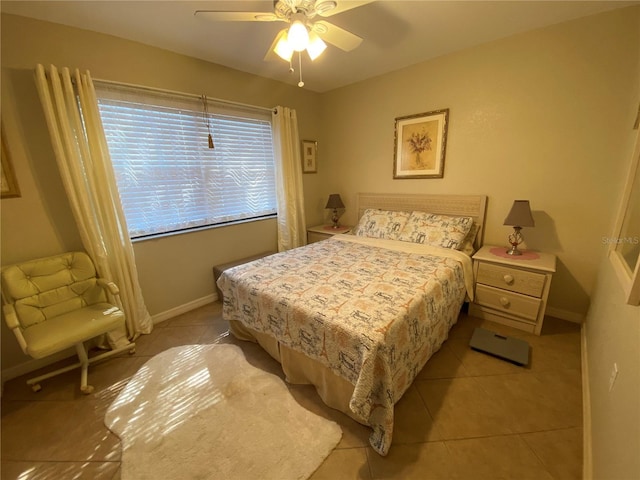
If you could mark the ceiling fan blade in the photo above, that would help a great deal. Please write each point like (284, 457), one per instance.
(218, 16)
(337, 36)
(343, 6)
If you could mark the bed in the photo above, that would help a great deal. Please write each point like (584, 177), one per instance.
(359, 315)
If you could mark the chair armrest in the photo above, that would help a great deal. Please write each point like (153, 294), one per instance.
(10, 316)
(12, 322)
(110, 286)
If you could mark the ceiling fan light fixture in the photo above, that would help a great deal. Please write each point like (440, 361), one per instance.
(298, 36)
(324, 7)
(283, 48)
(316, 46)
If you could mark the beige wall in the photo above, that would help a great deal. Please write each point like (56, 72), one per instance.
(543, 116)
(613, 336)
(173, 271)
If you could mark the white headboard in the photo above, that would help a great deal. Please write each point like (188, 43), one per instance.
(455, 205)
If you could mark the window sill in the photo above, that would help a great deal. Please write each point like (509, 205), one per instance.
(158, 236)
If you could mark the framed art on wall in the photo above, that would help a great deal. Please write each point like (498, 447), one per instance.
(420, 145)
(624, 243)
(8, 184)
(309, 154)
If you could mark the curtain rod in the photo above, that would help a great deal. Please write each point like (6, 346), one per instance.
(182, 94)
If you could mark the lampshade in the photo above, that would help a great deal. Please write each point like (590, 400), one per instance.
(316, 46)
(298, 36)
(520, 215)
(335, 201)
(283, 48)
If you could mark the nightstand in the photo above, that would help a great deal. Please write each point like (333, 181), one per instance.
(512, 290)
(322, 232)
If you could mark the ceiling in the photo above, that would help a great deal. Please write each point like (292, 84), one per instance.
(396, 33)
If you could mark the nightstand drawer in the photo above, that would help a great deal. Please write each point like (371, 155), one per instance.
(512, 279)
(313, 237)
(514, 303)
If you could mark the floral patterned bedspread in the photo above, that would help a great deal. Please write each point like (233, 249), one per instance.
(373, 311)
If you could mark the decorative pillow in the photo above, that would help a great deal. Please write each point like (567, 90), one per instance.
(436, 230)
(381, 224)
(467, 244)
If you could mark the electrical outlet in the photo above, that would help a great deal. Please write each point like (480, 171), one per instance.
(613, 376)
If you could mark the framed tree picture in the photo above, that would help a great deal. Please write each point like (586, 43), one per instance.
(420, 145)
(309, 154)
(8, 184)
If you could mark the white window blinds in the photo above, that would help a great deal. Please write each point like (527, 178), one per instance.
(168, 178)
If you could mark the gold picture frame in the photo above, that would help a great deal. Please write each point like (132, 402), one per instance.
(8, 183)
(420, 145)
(309, 156)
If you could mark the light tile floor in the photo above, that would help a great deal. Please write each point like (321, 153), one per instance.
(467, 415)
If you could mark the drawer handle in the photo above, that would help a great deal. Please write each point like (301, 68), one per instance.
(508, 279)
(504, 301)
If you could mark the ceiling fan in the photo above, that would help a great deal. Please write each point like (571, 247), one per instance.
(305, 31)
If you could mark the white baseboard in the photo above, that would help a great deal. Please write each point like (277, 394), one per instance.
(565, 315)
(32, 364)
(187, 307)
(587, 459)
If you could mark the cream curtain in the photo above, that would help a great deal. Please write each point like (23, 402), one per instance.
(289, 191)
(80, 146)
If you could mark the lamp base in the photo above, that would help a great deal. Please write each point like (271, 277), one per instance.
(335, 218)
(515, 239)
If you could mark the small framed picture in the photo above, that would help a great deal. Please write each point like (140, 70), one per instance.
(309, 156)
(420, 145)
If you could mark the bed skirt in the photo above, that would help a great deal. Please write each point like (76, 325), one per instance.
(335, 391)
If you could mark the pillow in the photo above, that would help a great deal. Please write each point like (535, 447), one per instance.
(436, 230)
(381, 224)
(467, 244)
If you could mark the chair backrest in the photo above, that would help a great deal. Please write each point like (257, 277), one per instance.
(48, 287)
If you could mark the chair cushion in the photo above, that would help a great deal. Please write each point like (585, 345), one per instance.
(45, 288)
(66, 330)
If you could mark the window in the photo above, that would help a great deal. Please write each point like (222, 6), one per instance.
(168, 178)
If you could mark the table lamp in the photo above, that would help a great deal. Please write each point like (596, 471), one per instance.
(335, 202)
(519, 216)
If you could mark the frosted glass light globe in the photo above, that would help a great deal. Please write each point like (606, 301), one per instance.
(298, 36)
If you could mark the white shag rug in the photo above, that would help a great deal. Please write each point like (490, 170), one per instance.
(204, 412)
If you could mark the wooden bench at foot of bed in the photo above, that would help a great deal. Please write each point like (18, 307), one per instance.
(218, 269)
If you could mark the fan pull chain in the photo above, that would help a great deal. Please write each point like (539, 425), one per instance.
(300, 83)
(205, 114)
